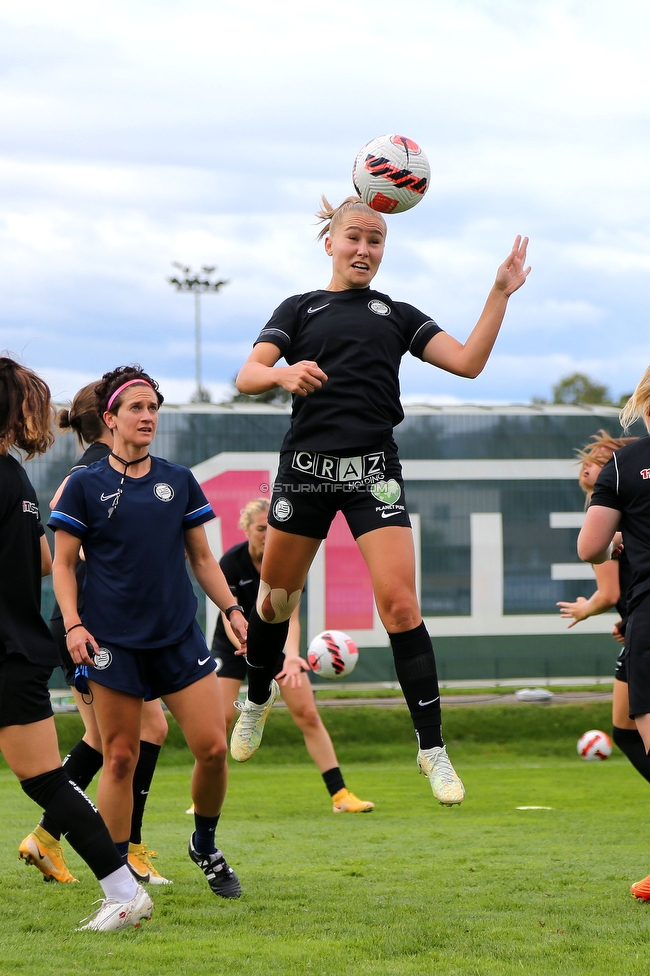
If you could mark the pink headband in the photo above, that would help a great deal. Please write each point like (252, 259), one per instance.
(123, 387)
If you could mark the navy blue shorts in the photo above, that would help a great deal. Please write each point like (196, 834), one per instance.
(149, 674)
(310, 488)
(24, 694)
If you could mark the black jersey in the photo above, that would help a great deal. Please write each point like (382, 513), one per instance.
(358, 338)
(243, 580)
(624, 484)
(22, 629)
(95, 452)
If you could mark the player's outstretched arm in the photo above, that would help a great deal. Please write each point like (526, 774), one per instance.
(469, 359)
(606, 596)
(260, 374)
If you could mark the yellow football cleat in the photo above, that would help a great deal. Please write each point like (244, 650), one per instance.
(142, 867)
(346, 802)
(641, 889)
(45, 852)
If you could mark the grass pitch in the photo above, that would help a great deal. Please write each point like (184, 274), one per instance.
(413, 888)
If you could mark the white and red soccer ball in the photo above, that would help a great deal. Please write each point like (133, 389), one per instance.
(594, 745)
(391, 174)
(332, 655)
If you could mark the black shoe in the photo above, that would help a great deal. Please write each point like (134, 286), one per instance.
(222, 879)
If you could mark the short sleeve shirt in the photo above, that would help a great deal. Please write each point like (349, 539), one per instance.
(358, 338)
(22, 629)
(624, 485)
(137, 590)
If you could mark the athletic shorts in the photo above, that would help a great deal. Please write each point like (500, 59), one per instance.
(149, 674)
(24, 694)
(637, 646)
(57, 629)
(620, 669)
(310, 488)
(229, 664)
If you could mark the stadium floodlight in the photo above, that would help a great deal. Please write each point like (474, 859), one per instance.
(198, 284)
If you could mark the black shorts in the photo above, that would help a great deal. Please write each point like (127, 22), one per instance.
(310, 488)
(57, 629)
(24, 694)
(149, 674)
(620, 670)
(637, 647)
(229, 664)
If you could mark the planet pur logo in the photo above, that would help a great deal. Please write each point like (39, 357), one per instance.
(387, 492)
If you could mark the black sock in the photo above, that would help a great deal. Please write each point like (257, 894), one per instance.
(81, 764)
(264, 650)
(80, 821)
(204, 831)
(629, 741)
(142, 777)
(333, 780)
(415, 666)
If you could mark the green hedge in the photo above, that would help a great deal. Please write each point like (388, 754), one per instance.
(367, 733)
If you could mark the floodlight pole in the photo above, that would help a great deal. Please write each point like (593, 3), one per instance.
(197, 284)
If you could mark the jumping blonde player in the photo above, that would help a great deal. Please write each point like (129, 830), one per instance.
(343, 345)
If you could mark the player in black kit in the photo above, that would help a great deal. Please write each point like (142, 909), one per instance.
(28, 655)
(241, 566)
(344, 345)
(621, 501)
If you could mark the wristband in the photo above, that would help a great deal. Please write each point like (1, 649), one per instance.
(72, 628)
(230, 610)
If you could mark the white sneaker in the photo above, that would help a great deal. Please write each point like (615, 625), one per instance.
(112, 915)
(249, 727)
(445, 782)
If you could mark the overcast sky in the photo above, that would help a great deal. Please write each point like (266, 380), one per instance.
(134, 134)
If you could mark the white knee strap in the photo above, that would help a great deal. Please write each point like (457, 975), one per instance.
(283, 605)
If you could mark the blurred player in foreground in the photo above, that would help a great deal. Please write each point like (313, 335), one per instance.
(344, 345)
(621, 501)
(28, 656)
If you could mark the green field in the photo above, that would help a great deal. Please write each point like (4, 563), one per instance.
(413, 888)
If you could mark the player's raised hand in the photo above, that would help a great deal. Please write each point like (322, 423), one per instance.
(512, 273)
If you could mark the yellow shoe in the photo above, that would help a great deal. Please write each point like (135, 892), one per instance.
(44, 851)
(346, 802)
(190, 810)
(641, 889)
(142, 867)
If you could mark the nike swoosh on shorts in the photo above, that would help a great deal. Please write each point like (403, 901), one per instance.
(388, 514)
(204, 661)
